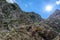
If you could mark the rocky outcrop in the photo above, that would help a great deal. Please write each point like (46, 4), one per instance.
(16, 24)
(12, 15)
(54, 21)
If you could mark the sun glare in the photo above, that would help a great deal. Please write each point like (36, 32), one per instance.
(48, 8)
(58, 2)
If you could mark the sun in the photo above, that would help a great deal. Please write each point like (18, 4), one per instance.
(48, 8)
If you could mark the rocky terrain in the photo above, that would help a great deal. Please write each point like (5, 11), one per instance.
(54, 21)
(16, 24)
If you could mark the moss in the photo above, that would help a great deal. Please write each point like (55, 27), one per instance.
(57, 30)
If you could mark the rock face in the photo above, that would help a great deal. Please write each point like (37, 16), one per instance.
(16, 24)
(12, 15)
(54, 20)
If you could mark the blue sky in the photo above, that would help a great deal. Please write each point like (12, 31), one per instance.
(39, 6)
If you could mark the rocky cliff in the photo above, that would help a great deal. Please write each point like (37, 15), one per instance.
(12, 15)
(54, 20)
(16, 24)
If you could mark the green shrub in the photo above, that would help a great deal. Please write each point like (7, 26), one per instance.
(32, 17)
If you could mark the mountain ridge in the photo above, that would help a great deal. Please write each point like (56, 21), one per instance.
(16, 24)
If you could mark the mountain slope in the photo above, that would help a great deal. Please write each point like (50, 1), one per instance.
(54, 20)
(16, 24)
(12, 15)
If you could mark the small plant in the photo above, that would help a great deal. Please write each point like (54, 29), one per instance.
(32, 16)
